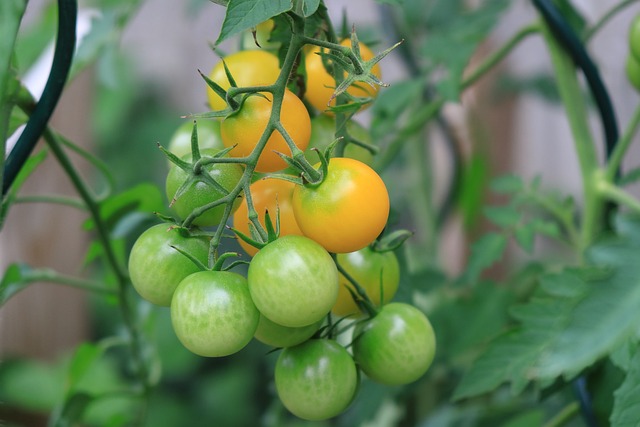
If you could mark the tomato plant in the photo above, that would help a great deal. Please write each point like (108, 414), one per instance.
(268, 195)
(321, 85)
(378, 273)
(212, 313)
(396, 346)
(208, 137)
(347, 211)
(316, 380)
(156, 267)
(248, 68)
(293, 281)
(244, 129)
(198, 192)
(323, 129)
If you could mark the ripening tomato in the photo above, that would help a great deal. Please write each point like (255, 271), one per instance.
(270, 333)
(201, 193)
(244, 129)
(632, 68)
(263, 36)
(293, 281)
(321, 85)
(248, 68)
(316, 380)
(396, 346)
(634, 37)
(347, 211)
(323, 128)
(267, 195)
(212, 313)
(376, 272)
(156, 268)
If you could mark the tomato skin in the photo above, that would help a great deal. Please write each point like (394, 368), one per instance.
(200, 193)
(293, 281)
(244, 129)
(323, 129)
(212, 313)
(632, 68)
(321, 85)
(263, 34)
(396, 346)
(316, 380)
(267, 195)
(634, 38)
(208, 137)
(274, 335)
(372, 270)
(156, 269)
(347, 211)
(248, 68)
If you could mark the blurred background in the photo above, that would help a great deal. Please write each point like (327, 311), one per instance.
(134, 96)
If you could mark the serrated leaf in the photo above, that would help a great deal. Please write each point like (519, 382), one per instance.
(576, 317)
(626, 407)
(525, 236)
(503, 216)
(243, 15)
(484, 253)
(507, 184)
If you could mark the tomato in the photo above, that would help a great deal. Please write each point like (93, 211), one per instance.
(347, 211)
(212, 313)
(267, 195)
(634, 38)
(323, 128)
(633, 71)
(396, 346)
(316, 380)
(374, 271)
(248, 68)
(321, 85)
(200, 193)
(245, 128)
(293, 281)
(263, 34)
(208, 137)
(156, 268)
(275, 335)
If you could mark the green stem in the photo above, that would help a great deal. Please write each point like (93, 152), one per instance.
(615, 161)
(51, 276)
(616, 194)
(60, 200)
(605, 18)
(564, 416)
(575, 106)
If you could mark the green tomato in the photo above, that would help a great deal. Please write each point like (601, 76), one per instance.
(208, 137)
(316, 380)
(156, 268)
(396, 346)
(212, 313)
(293, 281)
(634, 38)
(279, 336)
(200, 193)
(633, 71)
(378, 273)
(323, 130)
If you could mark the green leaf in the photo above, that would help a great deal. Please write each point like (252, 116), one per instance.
(27, 169)
(626, 407)
(243, 15)
(507, 184)
(473, 186)
(576, 318)
(20, 378)
(484, 253)
(305, 8)
(73, 410)
(503, 216)
(525, 236)
(630, 177)
(84, 356)
(15, 279)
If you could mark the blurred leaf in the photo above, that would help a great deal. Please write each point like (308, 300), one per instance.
(507, 184)
(577, 317)
(475, 175)
(622, 356)
(392, 102)
(541, 85)
(305, 8)
(626, 408)
(484, 253)
(16, 119)
(73, 410)
(451, 42)
(525, 236)
(36, 37)
(31, 385)
(16, 278)
(503, 216)
(630, 177)
(243, 15)
(84, 356)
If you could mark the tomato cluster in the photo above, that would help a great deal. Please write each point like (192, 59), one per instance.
(313, 242)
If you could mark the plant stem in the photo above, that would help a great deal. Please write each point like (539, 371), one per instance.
(51, 276)
(605, 18)
(615, 161)
(564, 416)
(614, 193)
(575, 106)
